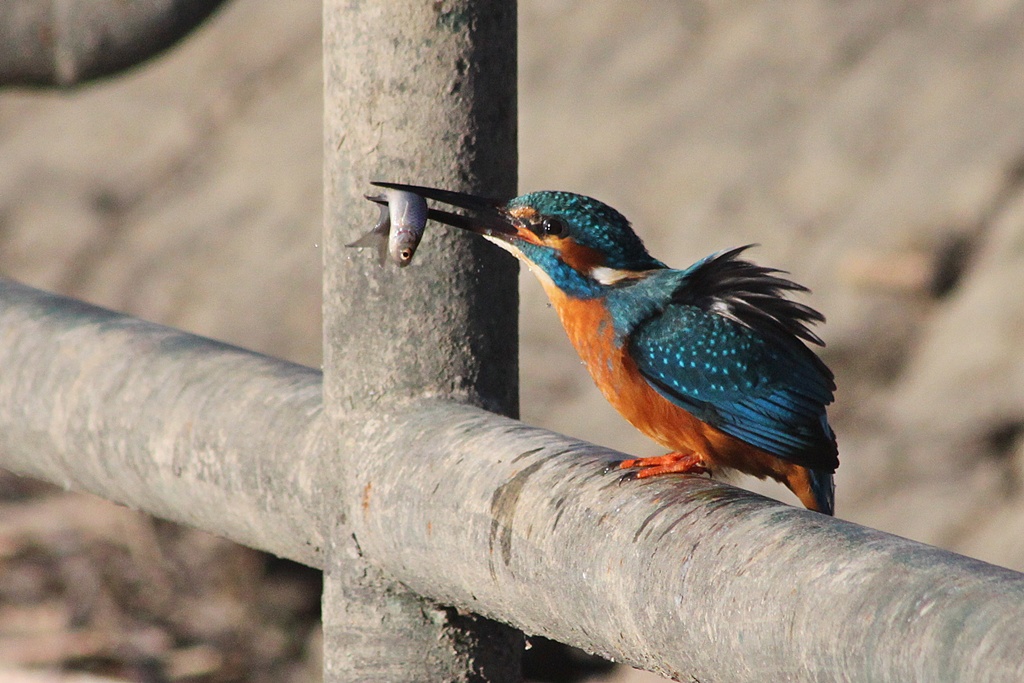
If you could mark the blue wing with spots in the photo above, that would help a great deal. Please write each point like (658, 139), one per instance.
(762, 387)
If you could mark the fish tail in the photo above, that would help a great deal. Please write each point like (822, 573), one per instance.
(377, 238)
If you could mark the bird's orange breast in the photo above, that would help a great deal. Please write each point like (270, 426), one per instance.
(590, 328)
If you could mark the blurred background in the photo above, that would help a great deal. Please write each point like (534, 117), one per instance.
(873, 148)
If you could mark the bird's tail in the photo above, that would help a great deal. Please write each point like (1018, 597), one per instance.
(823, 488)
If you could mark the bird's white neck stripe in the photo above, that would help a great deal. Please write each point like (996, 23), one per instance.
(609, 276)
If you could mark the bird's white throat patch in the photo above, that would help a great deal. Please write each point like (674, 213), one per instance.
(545, 279)
(506, 245)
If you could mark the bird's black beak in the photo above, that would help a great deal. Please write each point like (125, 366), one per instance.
(488, 216)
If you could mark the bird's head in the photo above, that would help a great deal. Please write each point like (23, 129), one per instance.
(578, 244)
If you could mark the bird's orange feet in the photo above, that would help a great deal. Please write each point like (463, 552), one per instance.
(684, 463)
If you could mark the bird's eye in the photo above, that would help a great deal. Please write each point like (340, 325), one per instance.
(553, 227)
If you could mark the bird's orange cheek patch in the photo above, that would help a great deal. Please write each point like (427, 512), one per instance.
(528, 235)
(580, 258)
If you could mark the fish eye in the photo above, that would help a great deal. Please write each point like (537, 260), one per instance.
(553, 227)
(405, 254)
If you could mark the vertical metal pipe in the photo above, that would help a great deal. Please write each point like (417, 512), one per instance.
(425, 92)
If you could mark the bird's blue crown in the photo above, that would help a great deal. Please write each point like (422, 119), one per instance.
(595, 225)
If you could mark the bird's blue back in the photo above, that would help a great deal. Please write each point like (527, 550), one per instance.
(720, 341)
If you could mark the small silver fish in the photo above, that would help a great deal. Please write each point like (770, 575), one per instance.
(403, 215)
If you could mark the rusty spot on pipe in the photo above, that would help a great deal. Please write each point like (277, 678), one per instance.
(366, 497)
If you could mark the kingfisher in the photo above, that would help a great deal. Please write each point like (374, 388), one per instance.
(711, 361)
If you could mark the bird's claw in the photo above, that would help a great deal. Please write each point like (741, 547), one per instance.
(611, 466)
(616, 465)
(628, 476)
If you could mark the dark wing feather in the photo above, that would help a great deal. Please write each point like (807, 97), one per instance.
(752, 295)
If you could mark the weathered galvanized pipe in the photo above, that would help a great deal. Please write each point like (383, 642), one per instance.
(183, 427)
(687, 577)
(425, 91)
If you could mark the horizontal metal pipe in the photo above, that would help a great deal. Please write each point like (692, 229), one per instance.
(67, 42)
(183, 427)
(683, 576)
